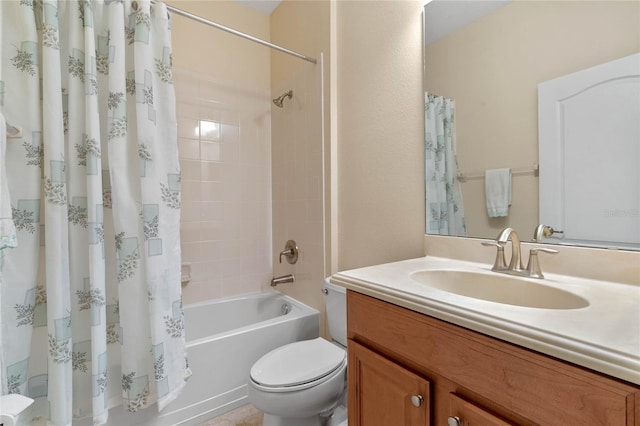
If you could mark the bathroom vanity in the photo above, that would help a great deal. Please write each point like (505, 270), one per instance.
(419, 355)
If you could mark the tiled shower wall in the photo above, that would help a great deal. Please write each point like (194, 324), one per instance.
(297, 167)
(224, 146)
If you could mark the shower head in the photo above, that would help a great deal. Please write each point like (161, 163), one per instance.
(280, 99)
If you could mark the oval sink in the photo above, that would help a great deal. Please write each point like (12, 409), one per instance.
(499, 288)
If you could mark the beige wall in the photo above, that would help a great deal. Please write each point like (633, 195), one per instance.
(223, 92)
(301, 26)
(380, 132)
(492, 68)
(206, 50)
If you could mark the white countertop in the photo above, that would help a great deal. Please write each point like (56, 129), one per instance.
(604, 336)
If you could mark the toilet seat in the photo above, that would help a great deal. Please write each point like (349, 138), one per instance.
(298, 365)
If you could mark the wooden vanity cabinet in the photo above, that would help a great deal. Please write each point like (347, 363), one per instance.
(466, 377)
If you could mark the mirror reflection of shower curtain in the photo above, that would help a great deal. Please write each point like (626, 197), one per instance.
(444, 208)
(91, 296)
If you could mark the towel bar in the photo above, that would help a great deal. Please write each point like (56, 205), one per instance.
(522, 171)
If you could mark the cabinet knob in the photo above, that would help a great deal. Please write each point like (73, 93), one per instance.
(417, 400)
(454, 421)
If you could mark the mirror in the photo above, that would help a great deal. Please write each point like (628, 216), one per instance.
(489, 57)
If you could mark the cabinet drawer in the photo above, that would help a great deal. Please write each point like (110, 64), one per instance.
(531, 385)
(465, 413)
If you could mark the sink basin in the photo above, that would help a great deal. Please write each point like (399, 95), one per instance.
(500, 288)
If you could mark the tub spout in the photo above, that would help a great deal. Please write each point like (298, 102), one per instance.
(282, 280)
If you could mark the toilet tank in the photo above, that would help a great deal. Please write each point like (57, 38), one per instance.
(336, 302)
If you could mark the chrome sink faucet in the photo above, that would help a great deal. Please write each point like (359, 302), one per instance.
(515, 264)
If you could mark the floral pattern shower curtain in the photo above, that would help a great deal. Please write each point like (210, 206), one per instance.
(91, 296)
(445, 211)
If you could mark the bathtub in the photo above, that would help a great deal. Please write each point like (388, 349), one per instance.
(224, 338)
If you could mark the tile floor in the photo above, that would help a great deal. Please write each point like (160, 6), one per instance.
(247, 415)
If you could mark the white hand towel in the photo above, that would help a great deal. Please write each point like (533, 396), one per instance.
(497, 185)
(8, 237)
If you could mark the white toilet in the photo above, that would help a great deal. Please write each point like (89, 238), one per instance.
(300, 384)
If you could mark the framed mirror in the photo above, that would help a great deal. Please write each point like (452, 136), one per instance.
(484, 63)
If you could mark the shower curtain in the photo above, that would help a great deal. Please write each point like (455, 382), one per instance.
(91, 296)
(444, 208)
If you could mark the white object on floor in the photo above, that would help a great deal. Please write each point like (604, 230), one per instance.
(11, 406)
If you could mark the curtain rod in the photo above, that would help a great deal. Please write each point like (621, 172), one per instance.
(238, 33)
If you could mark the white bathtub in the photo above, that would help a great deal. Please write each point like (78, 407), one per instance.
(224, 338)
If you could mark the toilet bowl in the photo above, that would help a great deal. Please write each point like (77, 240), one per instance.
(300, 384)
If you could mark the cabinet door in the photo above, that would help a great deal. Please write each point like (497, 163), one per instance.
(465, 413)
(382, 393)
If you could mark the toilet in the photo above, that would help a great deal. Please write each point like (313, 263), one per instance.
(302, 383)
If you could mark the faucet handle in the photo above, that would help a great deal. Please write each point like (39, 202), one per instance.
(544, 250)
(500, 264)
(491, 244)
(544, 231)
(290, 252)
(533, 268)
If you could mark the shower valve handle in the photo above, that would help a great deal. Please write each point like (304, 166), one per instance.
(287, 253)
(290, 252)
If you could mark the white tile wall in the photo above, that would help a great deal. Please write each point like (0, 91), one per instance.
(297, 184)
(225, 154)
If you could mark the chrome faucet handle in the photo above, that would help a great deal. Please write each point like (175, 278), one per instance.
(533, 268)
(500, 264)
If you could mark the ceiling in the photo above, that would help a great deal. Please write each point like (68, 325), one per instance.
(445, 16)
(442, 16)
(264, 6)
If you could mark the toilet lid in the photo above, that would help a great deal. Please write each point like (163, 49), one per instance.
(297, 363)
